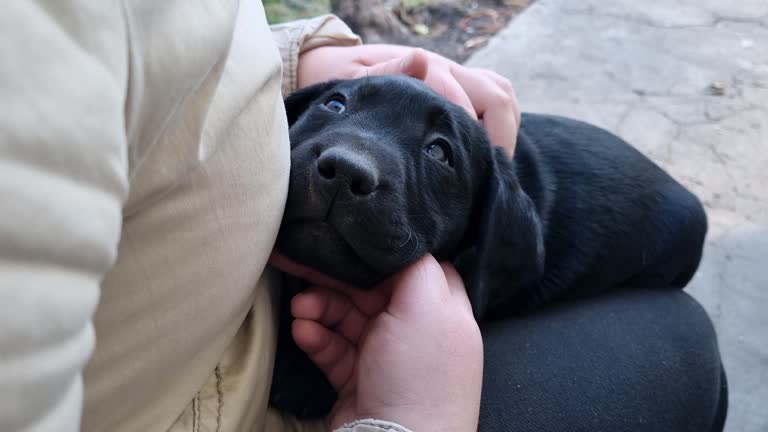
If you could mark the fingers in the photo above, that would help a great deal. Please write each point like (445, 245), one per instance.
(332, 310)
(456, 285)
(442, 82)
(333, 354)
(495, 102)
(370, 302)
(502, 128)
(414, 64)
(419, 287)
(425, 285)
(287, 265)
(505, 85)
(502, 82)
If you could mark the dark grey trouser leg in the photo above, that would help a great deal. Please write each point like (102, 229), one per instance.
(638, 360)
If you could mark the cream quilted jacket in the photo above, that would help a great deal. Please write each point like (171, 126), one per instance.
(143, 171)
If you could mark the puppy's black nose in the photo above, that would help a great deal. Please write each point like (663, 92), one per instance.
(340, 167)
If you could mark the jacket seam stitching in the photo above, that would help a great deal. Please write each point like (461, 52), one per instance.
(196, 413)
(220, 396)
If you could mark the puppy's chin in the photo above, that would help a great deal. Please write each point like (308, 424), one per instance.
(318, 245)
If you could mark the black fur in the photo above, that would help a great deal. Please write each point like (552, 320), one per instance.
(577, 211)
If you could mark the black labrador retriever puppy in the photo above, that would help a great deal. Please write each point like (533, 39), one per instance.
(384, 170)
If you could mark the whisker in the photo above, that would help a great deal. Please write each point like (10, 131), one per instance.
(416, 248)
(410, 234)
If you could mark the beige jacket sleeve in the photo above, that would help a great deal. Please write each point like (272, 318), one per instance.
(63, 178)
(297, 37)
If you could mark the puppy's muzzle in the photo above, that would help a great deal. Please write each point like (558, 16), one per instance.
(346, 174)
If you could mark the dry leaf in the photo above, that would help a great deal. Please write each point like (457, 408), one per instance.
(475, 41)
(421, 29)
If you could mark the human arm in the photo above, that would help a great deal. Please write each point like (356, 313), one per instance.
(62, 182)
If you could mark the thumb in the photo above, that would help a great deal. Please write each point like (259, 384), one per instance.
(415, 65)
(420, 287)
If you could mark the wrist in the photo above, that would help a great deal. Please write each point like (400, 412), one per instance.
(295, 38)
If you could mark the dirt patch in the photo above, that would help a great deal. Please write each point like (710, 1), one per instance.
(456, 29)
(452, 28)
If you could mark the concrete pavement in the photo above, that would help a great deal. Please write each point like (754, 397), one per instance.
(685, 81)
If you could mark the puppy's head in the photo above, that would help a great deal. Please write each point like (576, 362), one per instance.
(384, 170)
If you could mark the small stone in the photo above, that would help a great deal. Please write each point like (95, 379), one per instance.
(718, 88)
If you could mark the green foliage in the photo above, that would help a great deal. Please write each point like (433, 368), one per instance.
(286, 10)
(415, 4)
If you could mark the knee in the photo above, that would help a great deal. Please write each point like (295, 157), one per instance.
(693, 372)
(678, 359)
(690, 332)
(683, 223)
(683, 214)
(651, 353)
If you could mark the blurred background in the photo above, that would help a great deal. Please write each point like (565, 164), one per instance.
(684, 81)
(453, 28)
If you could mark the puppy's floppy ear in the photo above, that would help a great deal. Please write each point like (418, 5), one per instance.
(298, 102)
(504, 246)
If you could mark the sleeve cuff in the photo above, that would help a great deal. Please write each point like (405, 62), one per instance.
(297, 37)
(372, 425)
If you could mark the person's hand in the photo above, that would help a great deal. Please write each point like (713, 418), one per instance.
(485, 95)
(408, 351)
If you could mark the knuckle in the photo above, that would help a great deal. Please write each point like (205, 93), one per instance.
(504, 99)
(507, 85)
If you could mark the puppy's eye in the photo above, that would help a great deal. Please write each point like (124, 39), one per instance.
(440, 150)
(336, 104)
